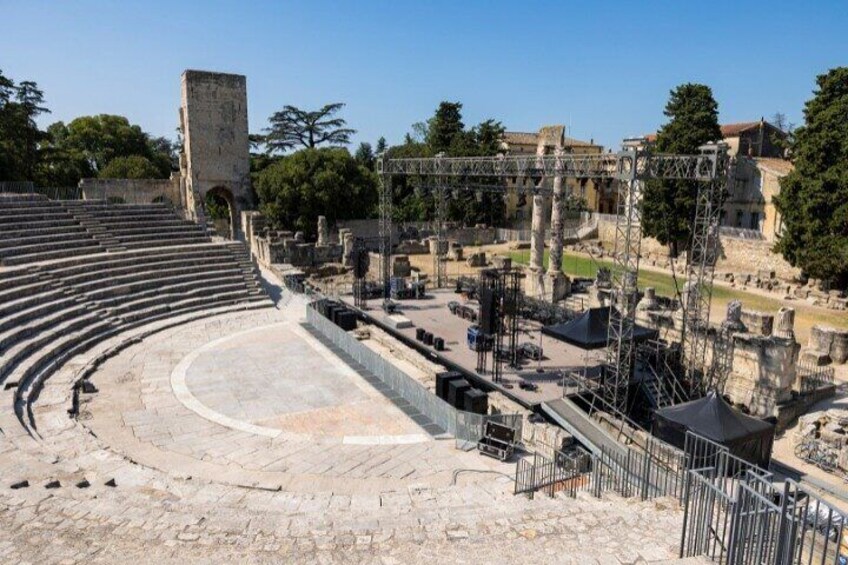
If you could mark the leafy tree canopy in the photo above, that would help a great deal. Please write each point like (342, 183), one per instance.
(298, 188)
(813, 199)
(131, 167)
(668, 207)
(445, 132)
(292, 128)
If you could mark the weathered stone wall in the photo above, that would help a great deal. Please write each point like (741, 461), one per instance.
(213, 119)
(134, 191)
(736, 255)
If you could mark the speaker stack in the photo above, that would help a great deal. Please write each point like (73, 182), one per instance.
(443, 380)
(439, 343)
(475, 400)
(419, 334)
(456, 390)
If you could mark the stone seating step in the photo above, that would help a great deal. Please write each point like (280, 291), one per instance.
(34, 311)
(26, 215)
(43, 232)
(54, 254)
(141, 254)
(32, 211)
(8, 241)
(163, 234)
(130, 231)
(146, 243)
(85, 243)
(134, 218)
(168, 293)
(231, 297)
(187, 264)
(70, 242)
(141, 280)
(41, 324)
(102, 265)
(114, 297)
(15, 356)
(25, 290)
(38, 225)
(19, 304)
(14, 279)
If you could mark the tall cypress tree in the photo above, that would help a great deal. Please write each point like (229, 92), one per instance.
(813, 199)
(668, 207)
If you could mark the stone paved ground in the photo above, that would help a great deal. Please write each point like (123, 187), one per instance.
(144, 477)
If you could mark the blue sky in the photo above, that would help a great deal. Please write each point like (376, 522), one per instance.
(603, 68)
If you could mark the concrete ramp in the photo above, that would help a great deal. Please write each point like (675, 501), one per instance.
(578, 423)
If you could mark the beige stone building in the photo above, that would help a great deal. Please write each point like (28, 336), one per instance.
(599, 196)
(750, 204)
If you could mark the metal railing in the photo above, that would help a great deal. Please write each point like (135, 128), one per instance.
(813, 377)
(567, 471)
(740, 233)
(737, 513)
(111, 192)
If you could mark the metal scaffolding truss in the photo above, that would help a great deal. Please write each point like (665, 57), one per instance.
(623, 165)
(630, 167)
(700, 271)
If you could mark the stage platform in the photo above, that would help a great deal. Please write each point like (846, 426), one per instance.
(432, 314)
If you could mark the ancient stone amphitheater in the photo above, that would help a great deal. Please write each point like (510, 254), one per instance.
(135, 427)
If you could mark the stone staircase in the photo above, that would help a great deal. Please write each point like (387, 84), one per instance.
(88, 271)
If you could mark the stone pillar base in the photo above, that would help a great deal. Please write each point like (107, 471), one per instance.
(557, 286)
(534, 284)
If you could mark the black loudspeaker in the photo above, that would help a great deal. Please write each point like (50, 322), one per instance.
(475, 400)
(428, 338)
(456, 390)
(487, 311)
(442, 382)
(439, 343)
(346, 320)
(331, 311)
(361, 262)
(419, 334)
(337, 311)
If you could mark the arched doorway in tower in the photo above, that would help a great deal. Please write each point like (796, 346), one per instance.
(221, 210)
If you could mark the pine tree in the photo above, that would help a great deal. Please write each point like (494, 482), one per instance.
(813, 199)
(668, 207)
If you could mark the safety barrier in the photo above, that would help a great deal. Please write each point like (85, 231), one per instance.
(736, 513)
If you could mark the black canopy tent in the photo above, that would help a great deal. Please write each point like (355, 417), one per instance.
(590, 329)
(713, 418)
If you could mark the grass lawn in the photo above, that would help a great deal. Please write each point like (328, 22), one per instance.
(664, 284)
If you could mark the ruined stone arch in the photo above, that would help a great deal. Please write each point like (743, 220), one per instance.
(225, 195)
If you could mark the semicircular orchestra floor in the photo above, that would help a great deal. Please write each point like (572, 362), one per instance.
(258, 401)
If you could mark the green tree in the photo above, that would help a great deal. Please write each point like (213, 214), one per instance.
(131, 167)
(365, 155)
(445, 128)
(381, 146)
(668, 207)
(298, 188)
(20, 137)
(292, 127)
(813, 199)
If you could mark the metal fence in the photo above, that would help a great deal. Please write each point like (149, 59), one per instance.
(440, 412)
(737, 513)
(470, 427)
(112, 193)
(740, 233)
(813, 377)
(566, 471)
(466, 427)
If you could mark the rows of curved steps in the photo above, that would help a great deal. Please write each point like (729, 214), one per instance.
(37, 229)
(135, 226)
(145, 266)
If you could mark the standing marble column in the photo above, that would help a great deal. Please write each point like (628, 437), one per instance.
(558, 285)
(536, 275)
(323, 231)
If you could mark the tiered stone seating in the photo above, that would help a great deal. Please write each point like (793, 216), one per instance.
(39, 230)
(127, 266)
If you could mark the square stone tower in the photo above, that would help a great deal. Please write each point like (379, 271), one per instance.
(216, 152)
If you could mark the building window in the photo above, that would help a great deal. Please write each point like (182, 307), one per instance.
(740, 218)
(755, 221)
